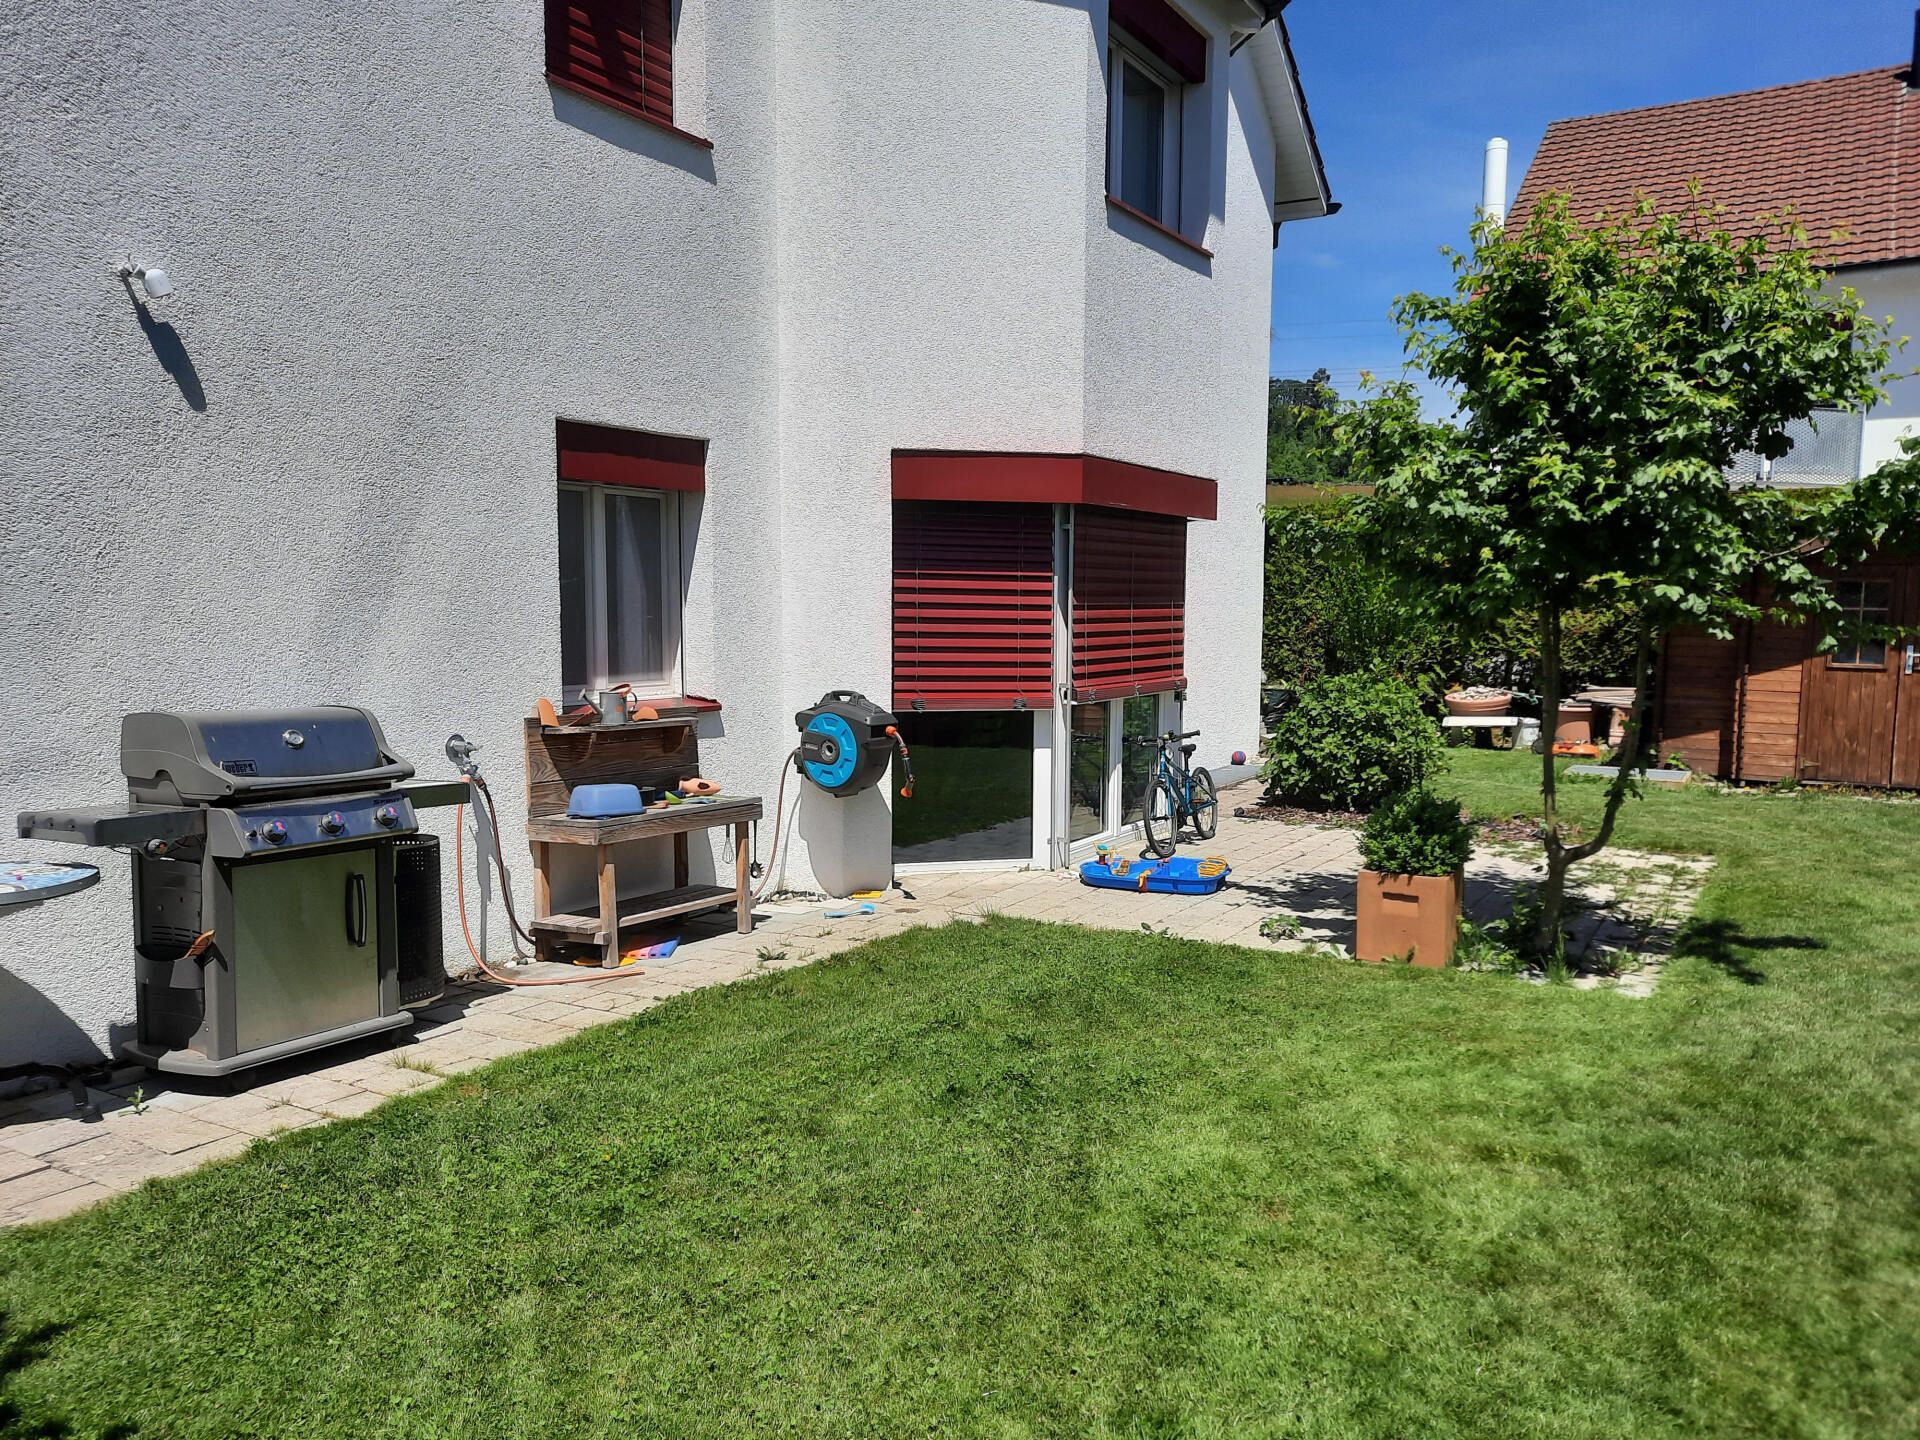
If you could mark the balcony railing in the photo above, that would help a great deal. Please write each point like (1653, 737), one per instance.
(1826, 451)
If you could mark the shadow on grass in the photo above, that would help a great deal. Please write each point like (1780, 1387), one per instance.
(19, 1349)
(1721, 942)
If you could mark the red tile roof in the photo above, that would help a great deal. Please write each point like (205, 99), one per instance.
(1844, 153)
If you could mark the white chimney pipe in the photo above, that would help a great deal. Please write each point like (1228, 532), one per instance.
(1493, 182)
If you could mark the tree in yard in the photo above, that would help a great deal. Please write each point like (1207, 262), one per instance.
(1299, 448)
(1606, 377)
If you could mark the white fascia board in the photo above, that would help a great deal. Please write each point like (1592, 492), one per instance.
(1301, 191)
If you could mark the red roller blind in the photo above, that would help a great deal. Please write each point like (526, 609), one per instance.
(620, 51)
(606, 455)
(972, 606)
(1129, 603)
(1160, 28)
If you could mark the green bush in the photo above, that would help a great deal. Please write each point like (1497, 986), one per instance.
(1349, 742)
(1329, 612)
(1416, 833)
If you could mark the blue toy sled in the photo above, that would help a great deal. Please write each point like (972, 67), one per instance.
(1181, 875)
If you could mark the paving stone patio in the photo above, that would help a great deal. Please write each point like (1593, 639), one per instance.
(55, 1159)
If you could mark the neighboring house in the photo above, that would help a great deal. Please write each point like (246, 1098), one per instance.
(745, 351)
(1844, 154)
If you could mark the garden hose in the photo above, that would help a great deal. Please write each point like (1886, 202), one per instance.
(906, 790)
(460, 890)
(779, 810)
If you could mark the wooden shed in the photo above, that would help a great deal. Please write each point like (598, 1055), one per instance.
(1767, 706)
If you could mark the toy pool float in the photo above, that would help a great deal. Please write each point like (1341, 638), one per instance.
(1180, 875)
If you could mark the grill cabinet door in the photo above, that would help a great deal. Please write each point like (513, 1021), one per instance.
(308, 951)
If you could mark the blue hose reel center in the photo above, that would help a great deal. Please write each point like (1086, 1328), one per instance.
(834, 749)
(846, 742)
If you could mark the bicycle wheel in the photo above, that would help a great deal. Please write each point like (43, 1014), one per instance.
(1206, 805)
(1160, 817)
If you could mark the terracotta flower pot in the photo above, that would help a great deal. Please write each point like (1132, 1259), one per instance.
(1408, 915)
(1478, 705)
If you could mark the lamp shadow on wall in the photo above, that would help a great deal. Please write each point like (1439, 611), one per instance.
(169, 350)
(636, 137)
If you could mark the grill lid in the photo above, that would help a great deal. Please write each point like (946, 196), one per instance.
(180, 757)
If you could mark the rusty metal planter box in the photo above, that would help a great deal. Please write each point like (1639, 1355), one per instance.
(1416, 916)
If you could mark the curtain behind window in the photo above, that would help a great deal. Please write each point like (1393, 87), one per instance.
(636, 604)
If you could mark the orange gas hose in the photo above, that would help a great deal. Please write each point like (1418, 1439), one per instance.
(460, 889)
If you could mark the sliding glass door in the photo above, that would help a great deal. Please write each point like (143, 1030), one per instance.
(1090, 764)
(1107, 773)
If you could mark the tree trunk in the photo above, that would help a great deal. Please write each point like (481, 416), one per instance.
(1548, 936)
(1546, 941)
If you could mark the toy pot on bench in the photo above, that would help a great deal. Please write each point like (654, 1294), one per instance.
(1413, 917)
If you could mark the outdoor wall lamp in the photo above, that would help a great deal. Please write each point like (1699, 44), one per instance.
(155, 281)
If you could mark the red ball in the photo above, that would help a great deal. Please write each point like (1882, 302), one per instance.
(1239, 757)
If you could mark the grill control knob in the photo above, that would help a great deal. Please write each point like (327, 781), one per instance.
(388, 815)
(333, 822)
(275, 831)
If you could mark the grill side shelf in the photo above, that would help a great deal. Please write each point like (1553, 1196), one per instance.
(106, 825)
(436, 794)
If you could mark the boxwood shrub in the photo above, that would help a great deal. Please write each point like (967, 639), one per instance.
(1349, 742)
(1416, 833)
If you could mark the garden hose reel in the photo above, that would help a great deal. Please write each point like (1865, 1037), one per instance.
(847, 742)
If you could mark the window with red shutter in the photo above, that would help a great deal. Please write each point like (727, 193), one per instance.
(972, 606)
(617, 51)
(1129, 603)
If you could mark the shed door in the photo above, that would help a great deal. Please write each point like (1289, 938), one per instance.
(1906, 726)
(1851, 693)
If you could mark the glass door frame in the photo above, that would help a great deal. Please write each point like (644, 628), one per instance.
(1061, 849)
(1114, 826)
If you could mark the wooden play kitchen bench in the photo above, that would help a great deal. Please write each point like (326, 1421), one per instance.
(659, 753)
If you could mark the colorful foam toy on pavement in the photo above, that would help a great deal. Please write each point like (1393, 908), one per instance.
(1180, 875)
(1239, 757)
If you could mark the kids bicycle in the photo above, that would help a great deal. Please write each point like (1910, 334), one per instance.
(1177, 792)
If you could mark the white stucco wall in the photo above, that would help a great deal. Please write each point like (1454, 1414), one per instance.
(1891, 292)
(1176, 378)
(931, 271)
(400, 255)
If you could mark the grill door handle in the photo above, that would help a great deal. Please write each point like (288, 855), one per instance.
(357, 908)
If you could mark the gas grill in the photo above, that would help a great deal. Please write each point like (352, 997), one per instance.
(270, 913)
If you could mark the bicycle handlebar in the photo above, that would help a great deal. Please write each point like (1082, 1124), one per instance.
(1153, 741)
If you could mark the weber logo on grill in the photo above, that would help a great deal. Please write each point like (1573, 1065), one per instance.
(240, 767)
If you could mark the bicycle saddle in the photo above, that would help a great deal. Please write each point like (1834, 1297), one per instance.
(1188, 749)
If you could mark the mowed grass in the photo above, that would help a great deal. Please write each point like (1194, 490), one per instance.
(1018, 1179)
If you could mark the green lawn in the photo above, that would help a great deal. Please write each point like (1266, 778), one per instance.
(1024, 1180)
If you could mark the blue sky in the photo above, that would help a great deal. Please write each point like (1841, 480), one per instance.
(1404, 96)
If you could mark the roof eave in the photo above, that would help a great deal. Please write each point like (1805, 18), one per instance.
(1270, 52)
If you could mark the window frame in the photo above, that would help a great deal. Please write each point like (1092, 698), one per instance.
(1122, 51)
(1859, 610)
(673, 600)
